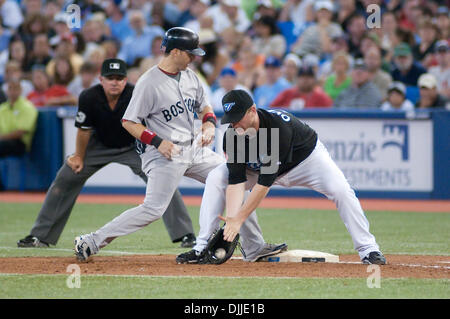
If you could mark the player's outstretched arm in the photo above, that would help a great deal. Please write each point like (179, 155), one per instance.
(237, 213)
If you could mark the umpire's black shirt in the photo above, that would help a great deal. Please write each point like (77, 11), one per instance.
(296, 142)
(94, 113)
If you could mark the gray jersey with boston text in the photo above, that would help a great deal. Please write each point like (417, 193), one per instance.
(166, 104)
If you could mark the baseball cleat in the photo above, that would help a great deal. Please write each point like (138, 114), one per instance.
(190, 257)
(188, 241)
(82, 249)
(32, 241)
(374, 257)
(269, 250)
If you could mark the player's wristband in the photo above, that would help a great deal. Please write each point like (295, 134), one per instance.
(209, 117)
(150, 138)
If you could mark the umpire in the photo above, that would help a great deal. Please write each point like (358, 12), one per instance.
(100, 140)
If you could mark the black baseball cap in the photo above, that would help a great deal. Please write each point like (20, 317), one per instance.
(114, 67)
(235, 103)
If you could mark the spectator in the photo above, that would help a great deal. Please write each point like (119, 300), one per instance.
(227, 81)
(18, 52)
(231, 40)
(40, 53)
(66, 47)
(340, 79)
(274, 84)
(61, 27)
(17, 122)
(111, 48)
(34, 24)
(423, 52)
(93, 34)
(11, 14)
(317, 38)
(429, 96)
(45, 94)
(138, 44)
(228, 13)
(88, 77)
(396, 98)
(291, 64)
(117, 20)
(442, 70)
(305, 94)
(269, 8)
(409, 15)
(214, 60)
(299, 12)
(406, 70)
(380, 78)
(362, 93)
(268, 40)
(249, 66)
(339, 45)
(346, 10)
(388, 28)
(13, 71)
(164, 13)
(356, 32)
(443, 22)
(63, 71)
(197, 9)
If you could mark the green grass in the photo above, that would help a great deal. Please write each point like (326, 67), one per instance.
(396, 233)
(91, 287)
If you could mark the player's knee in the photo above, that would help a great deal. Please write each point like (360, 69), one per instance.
(152, 211)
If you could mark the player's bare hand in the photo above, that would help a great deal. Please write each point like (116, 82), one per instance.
(168, 149)
(232, 227)
(208, 133)
(76, 163)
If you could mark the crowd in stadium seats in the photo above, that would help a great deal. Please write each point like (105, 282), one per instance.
(292, 54)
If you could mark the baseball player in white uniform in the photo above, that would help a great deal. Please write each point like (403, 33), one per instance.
(161, 115)
(297, 158)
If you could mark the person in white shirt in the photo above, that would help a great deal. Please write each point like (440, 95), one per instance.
(396, 98)
(228, 13)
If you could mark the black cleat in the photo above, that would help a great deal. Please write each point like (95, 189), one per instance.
(191, 257)
(374, 257)
(188, 241)
(31, 241)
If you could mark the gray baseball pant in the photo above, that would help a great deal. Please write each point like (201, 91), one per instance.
(66, 187)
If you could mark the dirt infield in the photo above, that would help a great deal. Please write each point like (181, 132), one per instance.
(399, 266)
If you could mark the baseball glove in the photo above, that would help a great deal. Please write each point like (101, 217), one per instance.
(217, 249)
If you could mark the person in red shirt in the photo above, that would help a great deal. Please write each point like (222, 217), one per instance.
(305, 94)
(45, 94)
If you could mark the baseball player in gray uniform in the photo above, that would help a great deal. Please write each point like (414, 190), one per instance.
(101, 140)
(161, 115)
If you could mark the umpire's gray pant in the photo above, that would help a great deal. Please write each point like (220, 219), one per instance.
(66, 187)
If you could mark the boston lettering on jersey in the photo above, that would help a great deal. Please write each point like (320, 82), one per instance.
(178, 108)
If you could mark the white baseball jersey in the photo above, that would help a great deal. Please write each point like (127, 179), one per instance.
(166, 103)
